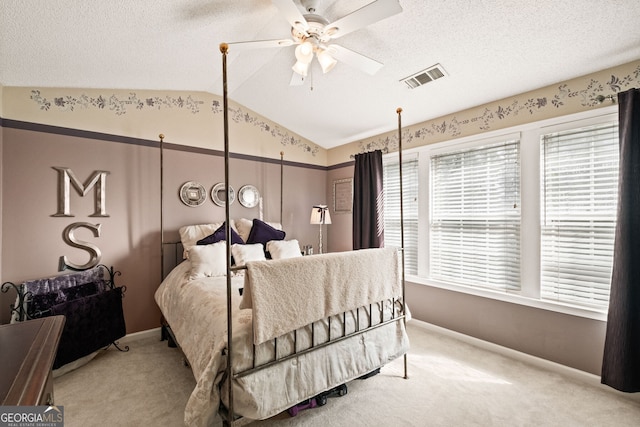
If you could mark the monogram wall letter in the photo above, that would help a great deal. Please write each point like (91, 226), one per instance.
(66, 177)
(71, 240)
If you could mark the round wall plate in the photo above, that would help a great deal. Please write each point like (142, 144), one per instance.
(219, 194)
(192, 194)
(248, 196)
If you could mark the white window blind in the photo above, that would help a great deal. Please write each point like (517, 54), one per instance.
(391, 182)
(475, 217)
(579, 173)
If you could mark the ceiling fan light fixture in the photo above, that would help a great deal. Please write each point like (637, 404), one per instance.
(327, 62)
(304, 52)
(300, 68)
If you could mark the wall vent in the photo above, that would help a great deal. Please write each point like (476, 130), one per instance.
(425, 76)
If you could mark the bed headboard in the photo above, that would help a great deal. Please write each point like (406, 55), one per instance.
(172, 256)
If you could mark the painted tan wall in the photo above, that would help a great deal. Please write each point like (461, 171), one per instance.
(3, 307)
(31, 239)
(570, 340)
(130, 238)
(560, 99)
(190, 119)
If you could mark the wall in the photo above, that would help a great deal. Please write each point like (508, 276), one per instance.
(560, 99)
(574, 341)
(4, 309)
(123, 139)
(97, 139)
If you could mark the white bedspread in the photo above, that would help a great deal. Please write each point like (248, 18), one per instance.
(330, 284)
(196, 311)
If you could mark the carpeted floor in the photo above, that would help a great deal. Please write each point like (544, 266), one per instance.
(451, 383)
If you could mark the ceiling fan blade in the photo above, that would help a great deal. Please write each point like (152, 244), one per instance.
(292, 14)
(258, 44)
(296, 79)
(354, 59)
(366, 15)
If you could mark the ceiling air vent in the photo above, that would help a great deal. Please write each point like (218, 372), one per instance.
(425, 76)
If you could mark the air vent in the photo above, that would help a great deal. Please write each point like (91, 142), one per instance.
(425, 76)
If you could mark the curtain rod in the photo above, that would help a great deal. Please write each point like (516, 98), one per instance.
(384, 150)
(601, 98)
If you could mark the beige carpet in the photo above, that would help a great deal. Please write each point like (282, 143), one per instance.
(451, 383)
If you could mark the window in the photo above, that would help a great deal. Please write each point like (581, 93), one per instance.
(579, 183)
(391, 182)
(527, 217)
(475, 217)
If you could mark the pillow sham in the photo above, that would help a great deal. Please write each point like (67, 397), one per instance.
(244, 225)
(248, 252)
(190, 234)
(281, 249)
(219, 235)
(261, 232)
(208, 260)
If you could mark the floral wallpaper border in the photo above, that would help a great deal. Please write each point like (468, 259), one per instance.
(121, 105)
(485, 120)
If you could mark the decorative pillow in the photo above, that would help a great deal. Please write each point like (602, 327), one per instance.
(281, 249)
(219, 235)
(190, 234)
(261, 232)
(248, 252)
(208, 260)
(244, 225)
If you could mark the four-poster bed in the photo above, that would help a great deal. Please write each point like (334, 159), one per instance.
(264, 335)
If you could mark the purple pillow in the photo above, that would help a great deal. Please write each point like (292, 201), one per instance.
(219, 235)
(261, 232)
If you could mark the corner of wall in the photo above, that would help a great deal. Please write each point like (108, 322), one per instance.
(2, 308)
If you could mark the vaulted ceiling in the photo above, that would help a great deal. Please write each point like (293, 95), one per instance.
(489, 49)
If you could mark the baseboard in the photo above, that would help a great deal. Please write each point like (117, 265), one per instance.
(576, 374)
(136, 336)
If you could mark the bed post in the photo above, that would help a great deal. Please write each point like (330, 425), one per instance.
(404, 301)
(161, 136)
(281, 182)
(224, 48)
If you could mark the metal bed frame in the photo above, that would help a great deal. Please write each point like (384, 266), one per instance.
(397, 306)
(228, 414)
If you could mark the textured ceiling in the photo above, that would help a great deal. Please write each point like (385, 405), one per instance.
(490, 49)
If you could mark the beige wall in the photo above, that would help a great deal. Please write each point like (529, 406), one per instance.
(3, 307)
(130, 236)
(556, 100)
(31, 238)
(190, 119)
(574, 341)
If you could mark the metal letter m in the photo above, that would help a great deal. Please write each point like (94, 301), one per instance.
(66, 177)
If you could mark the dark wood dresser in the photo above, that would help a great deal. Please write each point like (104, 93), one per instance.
(27, 352)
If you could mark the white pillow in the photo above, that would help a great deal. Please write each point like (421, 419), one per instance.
(208, 260)
(243, 227)
(190, 234)
(245, 253)
(281, 249)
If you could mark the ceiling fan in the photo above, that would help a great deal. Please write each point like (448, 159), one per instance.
(313, 34)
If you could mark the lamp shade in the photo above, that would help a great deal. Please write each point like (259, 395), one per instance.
(320, 215)
(304, 52)
(327, 62)
(301, 68)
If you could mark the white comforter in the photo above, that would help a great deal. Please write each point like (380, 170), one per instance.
(196, 311)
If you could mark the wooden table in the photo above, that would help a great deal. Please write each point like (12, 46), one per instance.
(27, 352)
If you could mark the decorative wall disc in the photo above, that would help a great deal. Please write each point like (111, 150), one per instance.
(248, 196)
(192, 194)
(219, 194)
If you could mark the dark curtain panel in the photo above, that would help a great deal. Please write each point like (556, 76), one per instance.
(368, 225)
(621, 361)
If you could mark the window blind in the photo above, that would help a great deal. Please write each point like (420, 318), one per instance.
(579, 173)
(391, 182)
(475, 217)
